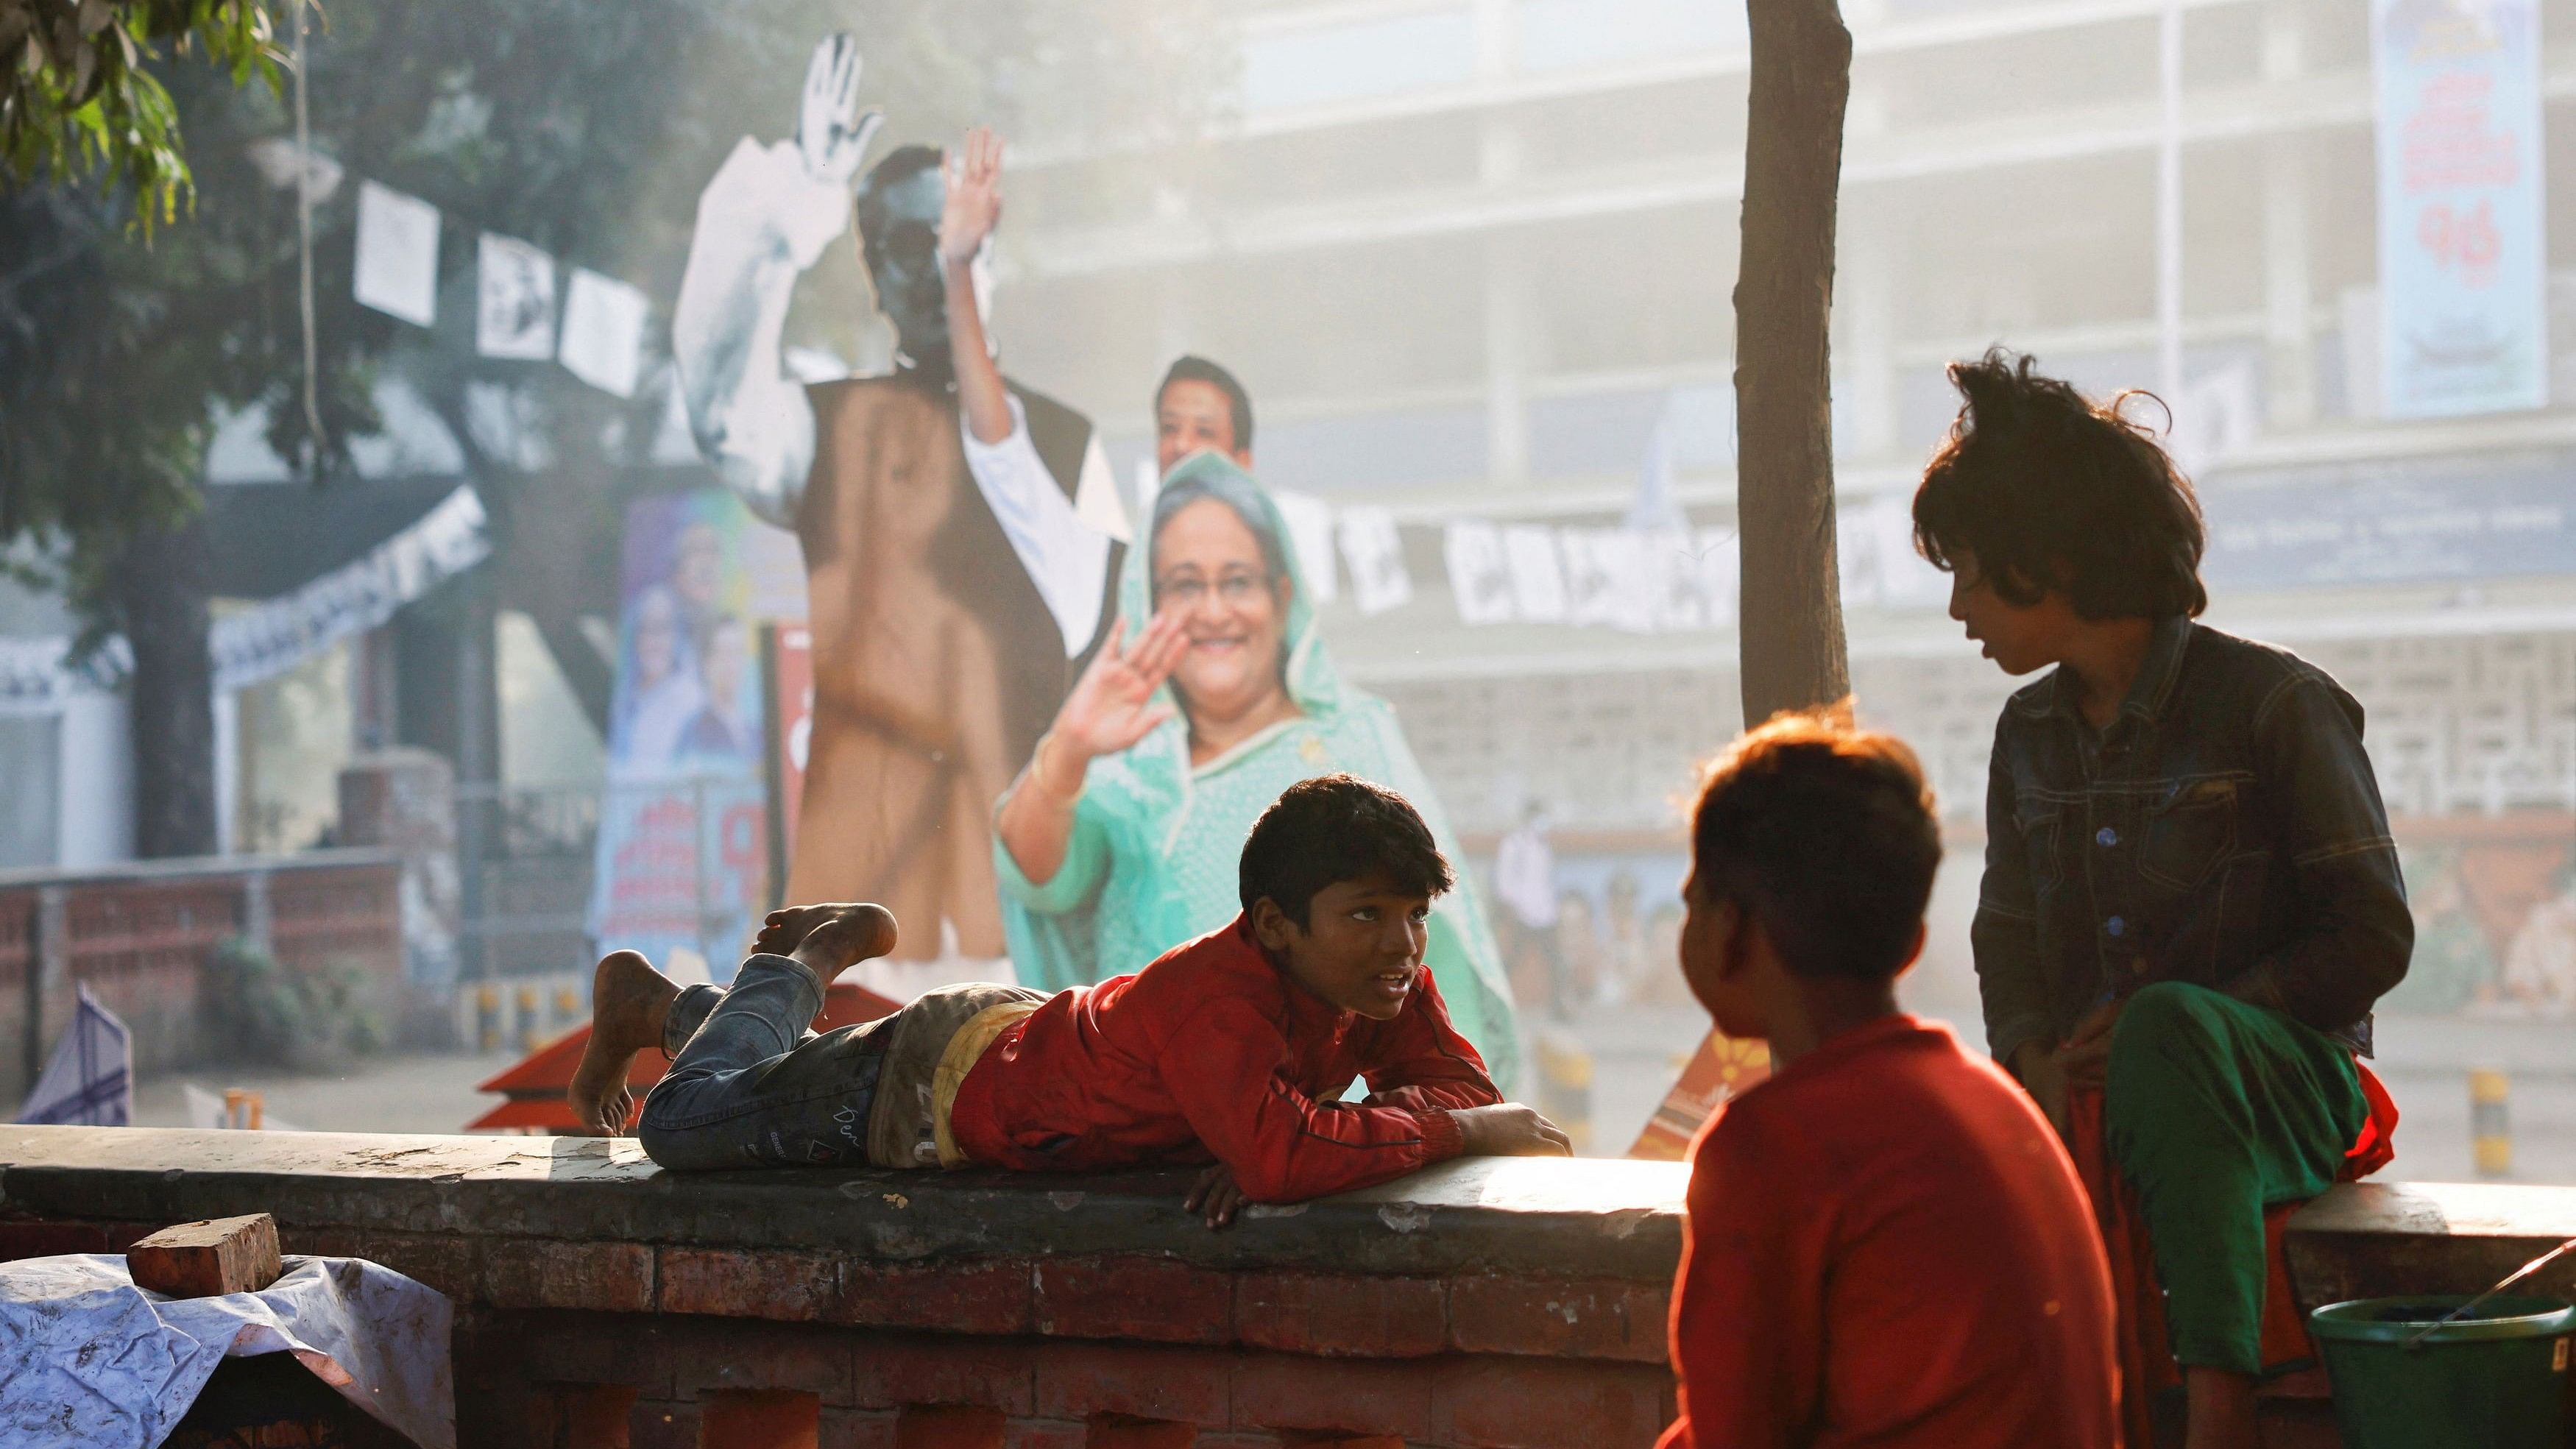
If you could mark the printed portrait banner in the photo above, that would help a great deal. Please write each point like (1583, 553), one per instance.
(2463, 265)
(515, 300)
(1375, 551)
(397, 270)
(1479, 573)
(685, 833)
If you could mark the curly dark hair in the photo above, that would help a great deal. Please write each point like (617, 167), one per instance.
(1337, 828)
(2047, 489)
(1825, 834)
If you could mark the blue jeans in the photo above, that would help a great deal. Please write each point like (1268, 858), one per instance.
(751, 1085)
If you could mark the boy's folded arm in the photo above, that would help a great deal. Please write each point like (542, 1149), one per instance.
(1424, 1065)
(1226, 1069)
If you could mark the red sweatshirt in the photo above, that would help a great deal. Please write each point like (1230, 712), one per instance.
(1210, 1053)
(1887, 1247)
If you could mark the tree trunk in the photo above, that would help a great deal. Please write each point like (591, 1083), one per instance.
(1790, 622)
(161, 591)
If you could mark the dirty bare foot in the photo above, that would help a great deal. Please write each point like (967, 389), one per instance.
(629, 1001)
(783, 929)
(842, 936)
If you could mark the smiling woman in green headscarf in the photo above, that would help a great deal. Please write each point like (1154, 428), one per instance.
(1120, 840)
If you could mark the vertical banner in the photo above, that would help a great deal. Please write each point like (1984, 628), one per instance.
(684, 858)
(2462, 265)
(1723, 1067)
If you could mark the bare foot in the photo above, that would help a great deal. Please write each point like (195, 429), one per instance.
(842, 936)
(783, 929)
(629, 1001)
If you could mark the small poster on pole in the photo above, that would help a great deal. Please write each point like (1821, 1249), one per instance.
(515, 304)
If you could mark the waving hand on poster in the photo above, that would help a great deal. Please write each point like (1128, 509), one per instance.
(768, 214)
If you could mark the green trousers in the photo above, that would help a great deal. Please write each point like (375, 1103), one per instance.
(2215, 1110)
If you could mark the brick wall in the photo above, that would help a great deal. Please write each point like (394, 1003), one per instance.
(135, 936)
(1488, 1304)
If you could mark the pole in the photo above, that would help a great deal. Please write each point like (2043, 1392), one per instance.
(2169, 204)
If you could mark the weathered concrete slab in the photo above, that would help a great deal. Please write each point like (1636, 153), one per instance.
(2375, 1240)
(1597, 1218)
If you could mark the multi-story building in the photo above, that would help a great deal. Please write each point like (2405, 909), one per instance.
(1474, 256)
(1475, 260)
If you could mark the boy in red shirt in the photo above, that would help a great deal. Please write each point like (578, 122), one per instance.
(1232, 1050)
(1886, 1245)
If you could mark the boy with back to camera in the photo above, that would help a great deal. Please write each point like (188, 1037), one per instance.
(1231, 1051)
(1886, 1245)
(2191, 899)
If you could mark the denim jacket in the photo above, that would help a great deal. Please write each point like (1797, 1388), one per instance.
(2224, 829)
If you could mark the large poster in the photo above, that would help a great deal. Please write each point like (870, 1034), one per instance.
(684, 859)
(2463, 268)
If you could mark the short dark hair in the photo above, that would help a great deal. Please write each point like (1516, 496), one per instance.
(896, 167)
(1238, 403)
(1336, 828)
(1823, 832)
(2048, 489)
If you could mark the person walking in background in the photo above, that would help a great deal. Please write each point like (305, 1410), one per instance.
(1886, 1245)
(2191, 899)
(1525, 882)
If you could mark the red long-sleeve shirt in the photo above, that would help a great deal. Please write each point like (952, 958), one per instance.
(1211, 1053)
(1887, 1247)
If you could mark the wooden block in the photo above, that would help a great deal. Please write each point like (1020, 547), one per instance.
(202, 1260)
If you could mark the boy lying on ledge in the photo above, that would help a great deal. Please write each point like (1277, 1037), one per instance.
(1235, 1047)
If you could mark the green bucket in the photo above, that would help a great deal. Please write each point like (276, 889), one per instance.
(2497, 1380)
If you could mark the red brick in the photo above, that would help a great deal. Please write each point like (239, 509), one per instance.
(947, 1427)
(1341, 1314)
(1558, 1317)
(711, 1357)
(857, 1429)
(326, 1242)
(973, 1297)
(1110, 1432)
(1046, 1434)
(1287, 1392)
(49, 1240)
(449, 1264)
(584, 1351)
(581, 1417)
(891, 1372)
(1536, 1403)
(121, 1236)
(543, 1273)
(781, 1287)
(1153, 1299)
(1076, 1381)
(653, 1425)
(759, 1419)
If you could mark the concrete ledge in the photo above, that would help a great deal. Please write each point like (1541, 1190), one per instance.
(1598, 1219)
(2377, 1240)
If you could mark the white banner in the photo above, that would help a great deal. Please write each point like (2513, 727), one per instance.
(1375, 552)
(1480, 576)
(1538, 573)
(1721, 574)
(1608, 573)
(515, 310)
(1310, 532)
(1673, 586)
(603, 332)
(268, 639)
(397, 254)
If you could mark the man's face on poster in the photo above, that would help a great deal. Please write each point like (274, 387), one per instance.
(698, 573)
(902, 259)
(728, 658)
(657, 638)
(1193, 414)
